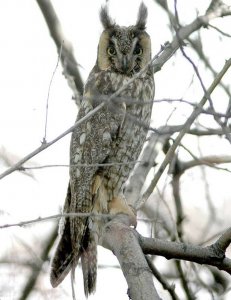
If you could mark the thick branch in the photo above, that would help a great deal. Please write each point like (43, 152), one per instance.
(121, 240)
(212, 255)
(225, 240)
(69, 62)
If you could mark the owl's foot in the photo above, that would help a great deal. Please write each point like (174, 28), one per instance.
(119, 206)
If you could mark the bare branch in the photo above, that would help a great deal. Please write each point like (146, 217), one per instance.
(209, 161)
(48, 95)
(225, 240)
(220, 31)
(69, 63)
(120, 239)
(146, 162)
(177, 201)
(79, 165)
(196, 45)
(57, 216)
(184, 281)
(162, 280)
(210, 255)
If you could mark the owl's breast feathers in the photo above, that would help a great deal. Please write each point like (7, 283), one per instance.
(114, 135)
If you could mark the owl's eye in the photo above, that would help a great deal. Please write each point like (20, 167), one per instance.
(138, 50)
(111, 50)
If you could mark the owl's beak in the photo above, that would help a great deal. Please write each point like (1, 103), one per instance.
(125, 66)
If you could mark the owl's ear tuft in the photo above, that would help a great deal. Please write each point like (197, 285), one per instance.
(105, 18)
(142, 17)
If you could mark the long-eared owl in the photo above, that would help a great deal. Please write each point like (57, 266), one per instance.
(104, 148)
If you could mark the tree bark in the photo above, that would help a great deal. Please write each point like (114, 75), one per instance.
(121, 240)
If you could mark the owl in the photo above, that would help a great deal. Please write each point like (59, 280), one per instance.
(104, 149)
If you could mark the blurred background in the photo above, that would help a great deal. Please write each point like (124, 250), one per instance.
(27, 62)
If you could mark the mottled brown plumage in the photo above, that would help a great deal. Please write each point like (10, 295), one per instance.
(115, 134)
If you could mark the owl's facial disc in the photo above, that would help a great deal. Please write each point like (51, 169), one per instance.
(124, 52)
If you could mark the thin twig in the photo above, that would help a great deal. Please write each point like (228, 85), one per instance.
(220, 31)
(23, 168)
(184, 281)
(178, 201)
(65, 215)
(48, 94)
(57, 216)
(162, 280)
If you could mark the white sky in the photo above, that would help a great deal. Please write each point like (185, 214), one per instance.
(27, 61)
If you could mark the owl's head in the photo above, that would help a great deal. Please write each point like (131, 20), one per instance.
(125, 50)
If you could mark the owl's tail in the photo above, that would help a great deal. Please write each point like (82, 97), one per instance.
(63, 258)
(89, 264)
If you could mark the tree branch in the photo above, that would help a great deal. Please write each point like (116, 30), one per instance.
(209, 161)
(68, 60)
(213, 255)
(121, 240)
(146, 162)
(162, 280)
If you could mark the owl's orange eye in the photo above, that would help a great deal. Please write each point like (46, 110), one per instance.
(138, 50)
(111, 51)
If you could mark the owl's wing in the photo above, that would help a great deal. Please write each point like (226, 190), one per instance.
(90, 145)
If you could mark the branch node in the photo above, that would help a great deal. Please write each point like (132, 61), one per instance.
(44, 141)
(216, 253)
